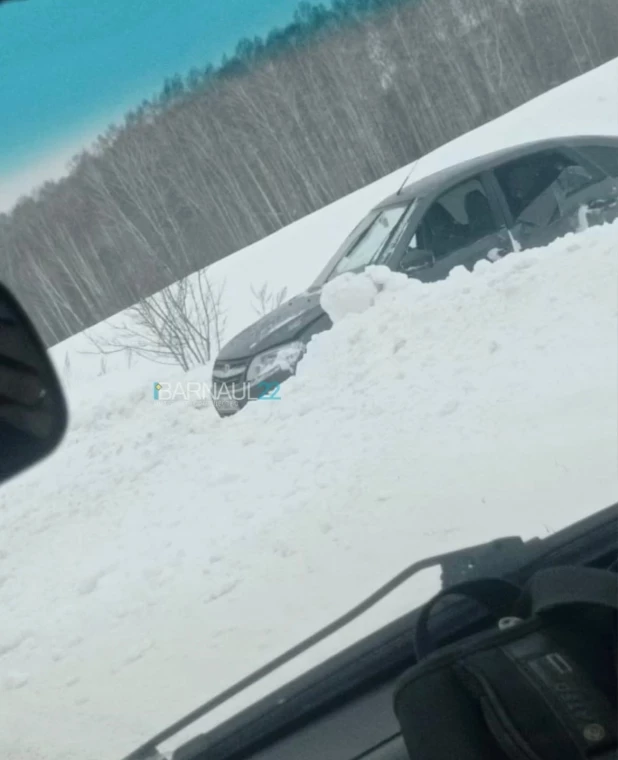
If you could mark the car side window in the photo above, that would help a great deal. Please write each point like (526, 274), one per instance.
(376, 239)
(458, 218)
(537, 187)
(603, 156)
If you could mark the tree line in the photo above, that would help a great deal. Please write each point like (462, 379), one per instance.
(226, 155)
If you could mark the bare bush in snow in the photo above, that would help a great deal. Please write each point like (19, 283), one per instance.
(183, 325)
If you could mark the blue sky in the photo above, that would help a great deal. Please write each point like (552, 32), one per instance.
(69, 67)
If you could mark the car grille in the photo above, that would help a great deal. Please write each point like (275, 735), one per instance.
(229, 373)
(228, 382)
(228, 379)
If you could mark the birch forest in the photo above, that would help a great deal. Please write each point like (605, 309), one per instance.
(225, 155)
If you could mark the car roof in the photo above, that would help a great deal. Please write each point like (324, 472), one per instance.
(451, 174)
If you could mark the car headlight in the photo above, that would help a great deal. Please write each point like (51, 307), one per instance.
(283, 358)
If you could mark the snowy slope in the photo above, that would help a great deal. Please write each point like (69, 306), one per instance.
(294, 256)
(164, 553)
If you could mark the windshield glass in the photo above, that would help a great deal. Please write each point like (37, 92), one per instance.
(249, 455)
(376, 243)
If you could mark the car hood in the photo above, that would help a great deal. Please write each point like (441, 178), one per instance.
(282, 325)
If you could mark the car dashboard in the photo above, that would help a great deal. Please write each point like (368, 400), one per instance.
(343, 708)
(364, 727)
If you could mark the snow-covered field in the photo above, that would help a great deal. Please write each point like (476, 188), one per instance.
(163, 553)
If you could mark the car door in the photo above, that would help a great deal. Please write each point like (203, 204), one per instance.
(549, 193)
(461, 226)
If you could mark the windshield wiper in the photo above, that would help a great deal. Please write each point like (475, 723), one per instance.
(497, 557)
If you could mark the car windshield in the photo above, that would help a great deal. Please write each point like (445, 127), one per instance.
(377, 242)
(330, 288)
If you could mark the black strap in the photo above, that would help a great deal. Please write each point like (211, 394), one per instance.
(497, 595)
(547, 590)
(563, 586)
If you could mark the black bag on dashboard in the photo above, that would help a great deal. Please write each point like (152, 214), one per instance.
(541, 685)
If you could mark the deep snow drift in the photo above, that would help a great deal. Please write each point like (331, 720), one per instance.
(164, 553)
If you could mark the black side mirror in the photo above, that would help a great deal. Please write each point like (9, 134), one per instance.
(33, 411)
(416, 258)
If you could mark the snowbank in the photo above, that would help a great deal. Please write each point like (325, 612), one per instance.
(353, 294)
(163, 553)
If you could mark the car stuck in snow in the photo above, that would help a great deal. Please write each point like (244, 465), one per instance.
(483, 209)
